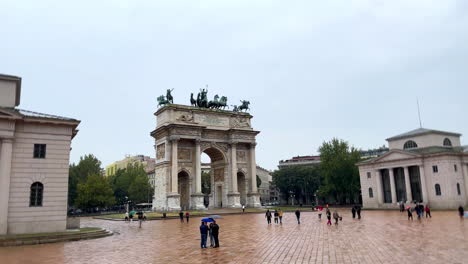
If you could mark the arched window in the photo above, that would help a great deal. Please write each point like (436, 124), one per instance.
(37, 190)
(410, 144)
(458, 189)
(371, 193)
(447, 142)
(437, 190)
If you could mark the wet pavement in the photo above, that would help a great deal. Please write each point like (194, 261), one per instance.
(379, 237)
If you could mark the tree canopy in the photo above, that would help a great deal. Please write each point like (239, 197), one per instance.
(95, 192)
(79, 173)
(302, 182)
(339, 171)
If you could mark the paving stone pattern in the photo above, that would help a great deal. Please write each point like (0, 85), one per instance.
(379, 237)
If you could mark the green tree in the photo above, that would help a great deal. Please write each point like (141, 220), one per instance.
(95, 192)
(140, 191)
(206, 182)
(302, 182)
(79, 173)
(338, 168)
(259, 182)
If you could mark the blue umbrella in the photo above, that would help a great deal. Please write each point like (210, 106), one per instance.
(215, 217)
(207, 220)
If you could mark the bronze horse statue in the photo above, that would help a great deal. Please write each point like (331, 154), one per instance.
(244, 106)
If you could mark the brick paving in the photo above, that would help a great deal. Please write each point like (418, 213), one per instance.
(379, 237)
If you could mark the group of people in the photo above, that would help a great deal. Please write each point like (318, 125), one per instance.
(213, 231)
(181, 216)
(278, 216)
(419, 208)
(140, 214)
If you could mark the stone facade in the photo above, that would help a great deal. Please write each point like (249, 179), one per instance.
(34, 155)
(422, 165)
(264, 188)
(182, 133)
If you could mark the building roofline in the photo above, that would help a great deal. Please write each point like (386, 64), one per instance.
(423, 131)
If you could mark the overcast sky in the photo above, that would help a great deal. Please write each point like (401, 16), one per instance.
(313, 70)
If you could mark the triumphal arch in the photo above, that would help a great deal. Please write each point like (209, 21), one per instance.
(182, 134)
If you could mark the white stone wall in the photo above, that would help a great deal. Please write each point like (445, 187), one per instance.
(427, 140)
(447, 178)
(7, 93)
(52, 172)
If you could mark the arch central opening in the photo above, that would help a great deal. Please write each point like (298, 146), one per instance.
(213, 165)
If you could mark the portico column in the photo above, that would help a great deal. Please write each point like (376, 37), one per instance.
(392, 185)
(425, 198)
(174, 165)
(234, 167)
(5, 172)
(379, 187)
(465, 178)
(407, 185)
(198, 184)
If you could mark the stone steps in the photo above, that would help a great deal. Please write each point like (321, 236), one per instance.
(15, 241)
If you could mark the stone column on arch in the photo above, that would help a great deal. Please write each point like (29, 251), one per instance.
(253, 197)
(5, 174)
(407, 185)
(392, 185)
(465, 179)
(234, 195)
(173, 198)
(422, 177)
(198, 197)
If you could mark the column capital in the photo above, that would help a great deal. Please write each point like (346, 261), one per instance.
(6, 140)
(197, 141)
(253, 144)
(174, 138)
(233, 143)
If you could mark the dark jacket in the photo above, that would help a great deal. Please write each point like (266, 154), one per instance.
(298, 213)
(204, 229)
(215, 229)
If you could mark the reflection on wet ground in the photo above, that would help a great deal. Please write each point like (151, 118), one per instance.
(379, 237)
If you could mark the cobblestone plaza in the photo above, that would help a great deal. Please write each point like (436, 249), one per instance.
(379, 237)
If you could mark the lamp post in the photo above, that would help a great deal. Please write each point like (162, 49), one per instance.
(292, 197)
(127, 202)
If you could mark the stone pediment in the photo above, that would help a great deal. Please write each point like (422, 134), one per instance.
(395, 155)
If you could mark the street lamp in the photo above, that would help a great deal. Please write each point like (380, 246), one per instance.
(292, 197)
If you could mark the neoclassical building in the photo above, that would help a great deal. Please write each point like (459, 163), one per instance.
(184, 132)
(423, 165)
(34, 164)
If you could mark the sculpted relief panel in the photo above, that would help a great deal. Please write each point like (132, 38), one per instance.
(184, 154)
(212, 120)
(219, 175)
(241, 156)
(240, 122)
(160, 151)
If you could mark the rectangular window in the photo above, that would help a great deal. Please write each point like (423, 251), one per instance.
(39, 151)
(455, 167)
(368, 175)
(435, 169)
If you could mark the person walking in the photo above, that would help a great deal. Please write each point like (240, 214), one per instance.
(358, 211)
(210, 232)
(402, 206)
(243, 208)
(187, 216)
(215, 232)
(298, 216)
(203, 234)
(461, 211)
(320, 209)
(280, 215)
(353, 211)
(410, 213)
(181, 216)
(336, 216)
(428, 211)
(268, 216)
(328, 213)
(276, 216)
(140, 218)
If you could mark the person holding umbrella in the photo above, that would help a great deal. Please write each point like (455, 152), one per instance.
(203, 234)
(215, 232)
(140, 218)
